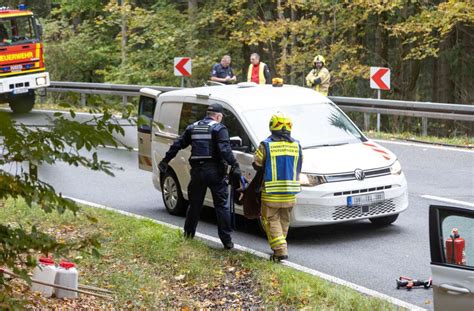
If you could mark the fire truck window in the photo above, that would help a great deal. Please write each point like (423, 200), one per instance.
(17, 30)
(465, 228)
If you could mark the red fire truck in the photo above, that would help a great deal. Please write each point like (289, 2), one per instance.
(22, 68)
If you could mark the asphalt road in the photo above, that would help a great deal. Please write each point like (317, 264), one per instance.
(357, 252)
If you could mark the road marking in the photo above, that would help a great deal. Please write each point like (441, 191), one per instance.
(432, 197)
(217, 242)
(422, 145)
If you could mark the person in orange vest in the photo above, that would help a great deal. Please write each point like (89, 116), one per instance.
(258, 71)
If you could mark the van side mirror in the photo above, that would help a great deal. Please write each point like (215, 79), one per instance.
(235, 142)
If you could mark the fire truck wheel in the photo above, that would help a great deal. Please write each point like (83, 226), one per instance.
(172, 196)
(384, 221)
(22, 103)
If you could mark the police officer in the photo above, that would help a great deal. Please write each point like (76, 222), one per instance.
(280, 158)
(210, 155)
(222, 72)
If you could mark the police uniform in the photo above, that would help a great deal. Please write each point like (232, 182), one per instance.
(280, 158)
(220, 71)
(210, 152)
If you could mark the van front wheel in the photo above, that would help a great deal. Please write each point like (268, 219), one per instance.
(172, 195)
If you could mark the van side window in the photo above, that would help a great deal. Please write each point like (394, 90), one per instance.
(236, 129)
(146, 109)
(169, 115)
(191, 113)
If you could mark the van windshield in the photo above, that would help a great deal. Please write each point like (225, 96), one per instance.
(314, 125)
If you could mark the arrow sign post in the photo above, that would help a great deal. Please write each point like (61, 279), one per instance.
(182, 68)
(379, 80)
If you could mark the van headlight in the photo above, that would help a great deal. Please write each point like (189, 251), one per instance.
(41, 81)
(311, 180)
(396, 168)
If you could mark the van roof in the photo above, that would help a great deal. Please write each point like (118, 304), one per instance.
(245, 98)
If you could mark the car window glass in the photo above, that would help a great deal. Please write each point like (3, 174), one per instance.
(465, 227)
(313, 124)
(169, 117)
(146, 108)
(191, 113)
(236, 129)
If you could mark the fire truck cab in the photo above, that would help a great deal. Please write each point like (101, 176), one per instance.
(22, 68)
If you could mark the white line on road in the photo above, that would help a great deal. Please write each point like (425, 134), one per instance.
(216, 241)
(432, 197)
(420, 145)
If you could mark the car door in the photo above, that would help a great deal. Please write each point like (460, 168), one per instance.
(452, 267)
(146, 109)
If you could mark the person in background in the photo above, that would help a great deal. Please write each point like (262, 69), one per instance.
(319, 76)
(258, 71)
(222, 72)
(280, 158)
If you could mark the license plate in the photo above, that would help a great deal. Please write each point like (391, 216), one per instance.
(20, 90)
(366, 199)
(16, 68)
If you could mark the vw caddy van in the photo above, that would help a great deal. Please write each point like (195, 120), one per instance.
(345, 176)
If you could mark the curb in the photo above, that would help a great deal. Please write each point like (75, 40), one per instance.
(215, 241)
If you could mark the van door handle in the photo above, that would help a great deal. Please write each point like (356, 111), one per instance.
(451, 288)
(163, 135)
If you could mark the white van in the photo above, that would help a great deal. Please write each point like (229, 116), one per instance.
(345, 176)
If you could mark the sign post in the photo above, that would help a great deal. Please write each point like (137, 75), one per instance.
(379, 80)
(182, 68)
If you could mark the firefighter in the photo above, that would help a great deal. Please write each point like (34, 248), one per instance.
(280, 158)
(319, 76)
(258, 71)
(210, 156)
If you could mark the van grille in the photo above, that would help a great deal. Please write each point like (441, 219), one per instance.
(336, 194)
(351, 175)
(344, 212)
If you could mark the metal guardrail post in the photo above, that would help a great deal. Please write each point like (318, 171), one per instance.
(83, 99)
(424, 126)
(124, 100)
(366, 121)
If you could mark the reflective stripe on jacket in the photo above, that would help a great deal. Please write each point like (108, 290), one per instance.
(282, 168)
(261, 74)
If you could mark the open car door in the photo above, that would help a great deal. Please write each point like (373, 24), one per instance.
(452, 257)
(146, 111)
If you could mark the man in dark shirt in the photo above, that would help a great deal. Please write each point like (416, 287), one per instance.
(210, 152)
(222, 72)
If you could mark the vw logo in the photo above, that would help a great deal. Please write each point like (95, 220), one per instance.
(359, 174)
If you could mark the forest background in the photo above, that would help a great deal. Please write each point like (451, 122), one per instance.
(428, 45)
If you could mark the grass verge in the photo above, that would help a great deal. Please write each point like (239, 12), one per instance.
(150, 266)
(465, 141)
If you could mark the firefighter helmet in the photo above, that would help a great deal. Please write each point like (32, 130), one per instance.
(280, 122)
(320, 59)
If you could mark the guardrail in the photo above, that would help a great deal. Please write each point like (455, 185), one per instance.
(423, 110)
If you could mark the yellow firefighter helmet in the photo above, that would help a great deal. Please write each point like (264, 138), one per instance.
(280, 122)
(319, 58)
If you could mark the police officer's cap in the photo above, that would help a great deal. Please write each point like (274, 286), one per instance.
(215, 108)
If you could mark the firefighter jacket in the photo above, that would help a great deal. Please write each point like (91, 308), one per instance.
(281, 162)
(263, 74)
(319, 79)
(209, 142)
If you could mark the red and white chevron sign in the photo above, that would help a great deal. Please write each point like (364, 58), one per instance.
(380, 78)
(182, 66)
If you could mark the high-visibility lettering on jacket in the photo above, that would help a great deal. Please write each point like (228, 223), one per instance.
(282, 167)
(261, 74)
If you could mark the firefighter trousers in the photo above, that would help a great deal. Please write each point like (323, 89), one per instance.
(276, 222)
